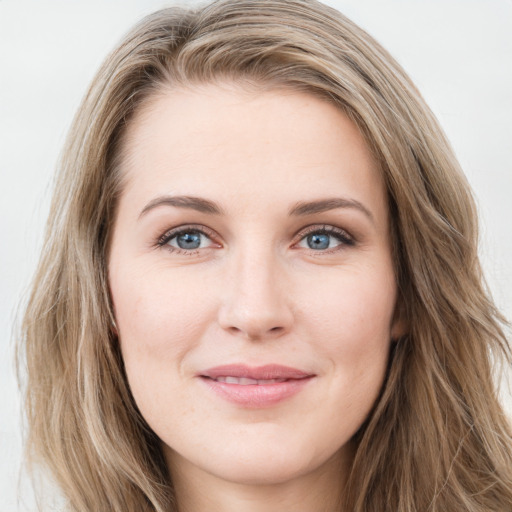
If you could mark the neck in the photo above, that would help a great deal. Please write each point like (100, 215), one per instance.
(319, 491)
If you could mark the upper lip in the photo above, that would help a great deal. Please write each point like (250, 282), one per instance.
(266, 372)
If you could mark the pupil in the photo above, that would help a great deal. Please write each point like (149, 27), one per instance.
(318, 241)
(189, 240)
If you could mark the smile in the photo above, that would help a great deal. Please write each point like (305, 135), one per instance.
(244, 381)
(253, 388)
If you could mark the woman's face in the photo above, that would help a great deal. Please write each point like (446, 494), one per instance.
(252, 280)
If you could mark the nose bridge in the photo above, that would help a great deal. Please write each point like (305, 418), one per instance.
(255, 304)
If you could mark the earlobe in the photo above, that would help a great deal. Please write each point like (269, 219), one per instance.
(112, 316)
(113, 327)
(399, 325)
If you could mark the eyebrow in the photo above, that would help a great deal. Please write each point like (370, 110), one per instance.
(193, 203)
(323, 205)
(302, 208)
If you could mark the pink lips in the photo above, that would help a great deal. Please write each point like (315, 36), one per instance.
(255, 387)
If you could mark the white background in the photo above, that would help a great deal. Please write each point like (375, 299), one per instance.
(459, 53)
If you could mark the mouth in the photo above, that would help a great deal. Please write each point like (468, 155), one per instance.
(244, 381)
(255, 387)
(267, 372)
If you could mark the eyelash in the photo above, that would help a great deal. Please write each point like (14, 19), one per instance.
(340, 234)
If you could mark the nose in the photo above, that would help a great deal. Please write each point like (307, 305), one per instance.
(255, 301)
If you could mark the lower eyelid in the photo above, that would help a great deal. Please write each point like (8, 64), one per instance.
(173, 233)
(343, 237)
(339, 234)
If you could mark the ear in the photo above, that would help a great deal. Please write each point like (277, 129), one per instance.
(399, 324)
(113, 328)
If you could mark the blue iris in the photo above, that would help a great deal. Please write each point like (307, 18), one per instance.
(189, 240)
(318, 241)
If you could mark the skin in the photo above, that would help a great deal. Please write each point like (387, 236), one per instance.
(253, 292)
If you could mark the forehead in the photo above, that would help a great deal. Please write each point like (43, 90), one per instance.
(226, 140)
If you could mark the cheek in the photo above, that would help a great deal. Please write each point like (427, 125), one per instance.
(352, 312)
(159, 324)
(350, 321)
(153, 309)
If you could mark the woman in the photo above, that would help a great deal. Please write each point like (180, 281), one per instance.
(260, 288)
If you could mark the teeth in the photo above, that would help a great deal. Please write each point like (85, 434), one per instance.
(244, 381)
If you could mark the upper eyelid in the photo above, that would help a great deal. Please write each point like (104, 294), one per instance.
(322, 227)
(211, 234)
(173, 232)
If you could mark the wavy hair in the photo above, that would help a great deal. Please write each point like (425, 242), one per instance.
(437, 438)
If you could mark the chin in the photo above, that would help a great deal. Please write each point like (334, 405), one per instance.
(260, 462)
(265, 469)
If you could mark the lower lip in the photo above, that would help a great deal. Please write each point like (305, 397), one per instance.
(256, 396)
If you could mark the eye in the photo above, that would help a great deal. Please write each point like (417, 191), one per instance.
(186, 240)
(325, 239)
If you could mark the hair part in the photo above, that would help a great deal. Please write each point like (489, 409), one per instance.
(437, 438)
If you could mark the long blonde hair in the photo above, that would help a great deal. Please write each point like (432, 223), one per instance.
(437, 438)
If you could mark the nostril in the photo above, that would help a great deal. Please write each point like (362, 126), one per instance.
(255, 321)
